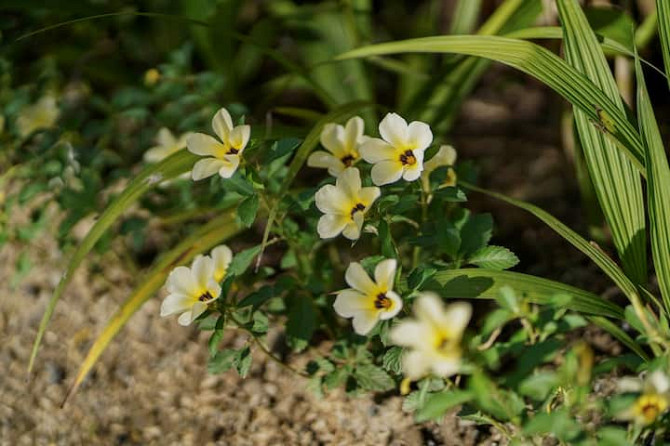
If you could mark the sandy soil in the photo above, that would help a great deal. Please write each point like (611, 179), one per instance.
(151, 386)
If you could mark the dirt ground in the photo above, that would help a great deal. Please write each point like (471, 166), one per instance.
(151, 386)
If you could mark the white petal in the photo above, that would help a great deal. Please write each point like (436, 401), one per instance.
(204, 145)
(395, 308)
(349, 182)
(222, 256)
(412, 173)
(197, 310)
(416, 364)
(386, 172)
(659, 382)
(239, 137)
(428, 308)
(156, 154)
(353, 130)
(325, 160)
(419, 135)
(368, 195)
(181, 142)
(182, 281)
(375, 150)
(349, 302)
(331, 200)
(332, 138)
(165, 138)
(393, 129)
(175, 303)
(222, 124)
(385, 273)
(185, 319)
(446, 156)
(203, 270)
(206, 168)
(352, 230)
(365, 321)
(330, 225)
(457, 316)
(229, 166)
(359, 280)
(410, 333)
(446, 367)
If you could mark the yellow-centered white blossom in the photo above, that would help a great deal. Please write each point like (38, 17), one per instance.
(191, 290)
(652, 403)
(433, 338)
(166, 145)
(369, 301)
(344, 205)
(445, 156)
(400, 153)
(222, 155)
(41, 115)
(341, 143)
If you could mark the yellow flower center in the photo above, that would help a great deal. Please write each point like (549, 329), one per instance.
(205, 297)
(407, 158)
(382, 301)
(232, 151)
(348, 159)
(359, 207)
(650, 406)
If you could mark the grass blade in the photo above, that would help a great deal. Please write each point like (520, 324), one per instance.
(480, 283)
(658, 187)
(539, 63)
(617, 184)
(596, 254)
(206, 237)
(663, 10)
(171, 167)
(619, 334)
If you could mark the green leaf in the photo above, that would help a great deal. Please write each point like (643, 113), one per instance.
(171, 167)
(301, 322)
(392, 360)
(601, 259)
(658, 187)
(243, 363)
(617, 184)
(663, 9)
(336, 378)
(479, 283)
(438, 403)
(494, 257)
(539, 386)
(242, 260)
(476, 233)
(612, 436)
(535, 61)
(257, 298)
(223, 361)
(558, 423)
(217, 335)
(386, 241)
(247, 210)
(373, 378)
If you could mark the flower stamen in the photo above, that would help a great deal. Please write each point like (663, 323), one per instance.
(407, 158)
(360, 207)
(348, 160)
(205, 297)
(383, 302)
(232, 151)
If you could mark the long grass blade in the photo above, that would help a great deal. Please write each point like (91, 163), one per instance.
(539, 63)
(480, 283)
(617, 184)
(171, 167)
(601, 259)
(663, 10)
(206, 237)
(658, 187)
(619, 334)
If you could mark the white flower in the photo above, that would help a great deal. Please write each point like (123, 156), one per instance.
(344, 205)
(400, 153)
(366, 301)
(434, 338)
(652, 403)
(342, 143)
(222, 256)
(41, 115)
(191, 290)
(445, 156)
(167, 144)
(223, 155)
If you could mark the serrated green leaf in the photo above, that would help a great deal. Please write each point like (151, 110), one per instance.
(494, 257)
(243, 363)
(247, 210)
(301, 322)
(242, 260)
(438, 403)
(373, 378)
(222, 361)
(392, 360)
